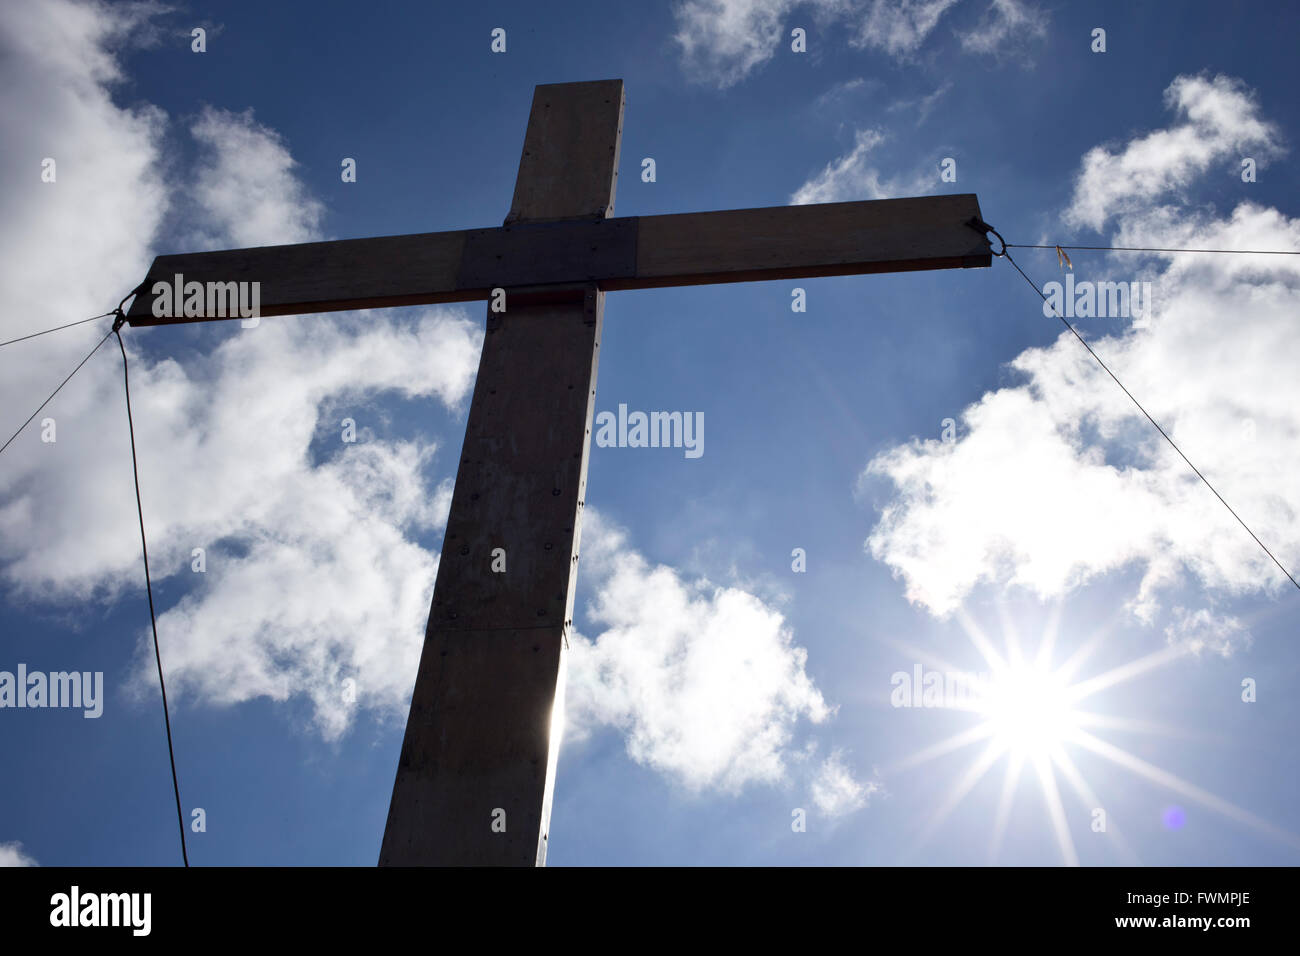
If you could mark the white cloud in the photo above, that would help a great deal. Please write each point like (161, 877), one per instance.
(11, 854)
(704, 681)
(1203, 630)
(835, 791)
(1218, 120)
(723, 40)
(1006, 22)
(245, 186)
(322, 580)
(899, 27)
(852, 177)
(1059, 480)
(69, 249)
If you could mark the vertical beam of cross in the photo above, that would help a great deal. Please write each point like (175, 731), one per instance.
(477, 765)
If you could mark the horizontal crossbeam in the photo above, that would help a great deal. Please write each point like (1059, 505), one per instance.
(635, 252)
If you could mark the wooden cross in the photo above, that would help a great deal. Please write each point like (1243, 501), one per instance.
(477, 764)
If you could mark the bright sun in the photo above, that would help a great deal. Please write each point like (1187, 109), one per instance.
(1029, 710)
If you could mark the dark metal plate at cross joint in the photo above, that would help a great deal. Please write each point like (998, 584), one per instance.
(532, 254)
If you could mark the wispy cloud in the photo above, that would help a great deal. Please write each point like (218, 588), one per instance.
(852, 176)
(899, 27)
(1203, 630)
(835, 96)
(920, 106)
(836, 792)
(723, 41)
(1007, 26)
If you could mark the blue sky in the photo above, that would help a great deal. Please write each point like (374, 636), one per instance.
(1049, 508)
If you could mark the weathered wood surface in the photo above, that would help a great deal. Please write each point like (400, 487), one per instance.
(479, 738)
(632, 252)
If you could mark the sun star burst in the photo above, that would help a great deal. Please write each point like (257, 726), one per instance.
(1028, 712)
